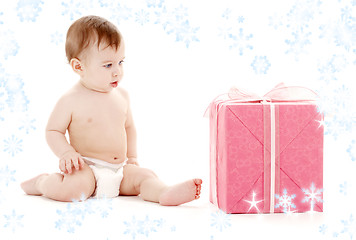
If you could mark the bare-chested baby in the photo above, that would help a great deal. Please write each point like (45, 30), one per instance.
(101, 157)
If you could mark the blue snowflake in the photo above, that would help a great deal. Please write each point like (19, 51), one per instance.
(13, 84)
(298, 43)
(143, 227)
(186, 34)
(78, 210)
(57, 38)
(18, 102)
(165, 19)
(240, 41)
(351, 150)
(226, 14)
(6, 176)
(13, 221)
(349, 226)
(181, 13)
(120, 12)
(285, 201)
(13, 145)
(142, 17)
(220, 220)
(313, 195)
(8, 44)
(73, 9)
(154, 3)
(332, 66)
(345, 32)
(322, 229)
(1, 13)
(343, 188)
(71, 217)
(260, 65)
(27, 124)
(28, 10)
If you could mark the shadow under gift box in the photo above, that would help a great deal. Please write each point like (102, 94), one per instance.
(240, 157)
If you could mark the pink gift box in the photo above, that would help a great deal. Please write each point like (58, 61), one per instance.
(266, 157)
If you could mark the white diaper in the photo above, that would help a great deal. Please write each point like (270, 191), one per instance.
(108, 177)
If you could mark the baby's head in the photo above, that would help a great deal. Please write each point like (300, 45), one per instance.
(89, 30)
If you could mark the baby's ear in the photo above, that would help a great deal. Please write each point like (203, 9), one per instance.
(76, 65)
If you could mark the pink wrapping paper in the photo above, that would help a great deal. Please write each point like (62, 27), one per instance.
(240, 156)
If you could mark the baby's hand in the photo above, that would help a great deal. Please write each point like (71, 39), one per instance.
(132, 161)
(70, 159)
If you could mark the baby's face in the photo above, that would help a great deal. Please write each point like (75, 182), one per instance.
(102, 67)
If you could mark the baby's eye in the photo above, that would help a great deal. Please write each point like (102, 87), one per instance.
(107, 65)
(121, 62)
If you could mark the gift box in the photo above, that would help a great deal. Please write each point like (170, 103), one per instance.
(266, 154)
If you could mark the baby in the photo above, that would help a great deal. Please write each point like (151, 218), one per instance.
(100, 159)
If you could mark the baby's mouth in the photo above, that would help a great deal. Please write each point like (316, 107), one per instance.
(114, 84)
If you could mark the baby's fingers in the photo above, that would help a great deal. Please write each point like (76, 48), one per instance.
(69, 166)
(81, 162)
(76, 163)
(62, 166)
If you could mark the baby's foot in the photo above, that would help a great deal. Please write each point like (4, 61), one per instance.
(30, 186)
(181, 193)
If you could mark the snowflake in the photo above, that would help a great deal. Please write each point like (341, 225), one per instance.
(186, 34)
(27, 124)
(1, 13)
(322, 229)
(297, 45)
(343, 188)
(13, 83)
(285, 201)
(72, 9)
(13, 145)
(166, 19)
(260, 65)
(332, 66)
(78, 210)
(13, 221)
(313, 195)
(226, 14)
(6, 176)
(154, 3)
(28, 10)
(142, 17)
(69, 218)
(18, 102)
(220, 220)
(121, 12)
(253, 203)
(144, 227)
(57, 38)
(181, 13)
(352, 150)
(349, 226)
(8, 44)
(240, 41)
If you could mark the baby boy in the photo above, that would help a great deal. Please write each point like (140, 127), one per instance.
(100, 159)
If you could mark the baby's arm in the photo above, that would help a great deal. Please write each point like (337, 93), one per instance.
(55, 135)
(130, 133)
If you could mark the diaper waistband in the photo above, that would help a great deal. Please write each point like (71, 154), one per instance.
(94, 161)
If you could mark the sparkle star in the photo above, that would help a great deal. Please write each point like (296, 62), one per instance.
(253, 203)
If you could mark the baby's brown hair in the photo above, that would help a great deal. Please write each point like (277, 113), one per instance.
(86, 31)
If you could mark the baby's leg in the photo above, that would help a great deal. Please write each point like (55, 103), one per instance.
(60, 187)
(144, 182)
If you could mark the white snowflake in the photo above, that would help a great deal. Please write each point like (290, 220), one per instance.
(313, 195)
(285, 201)
(220, 220)
(13, 145)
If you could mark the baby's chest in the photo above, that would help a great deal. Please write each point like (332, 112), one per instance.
(105, 112)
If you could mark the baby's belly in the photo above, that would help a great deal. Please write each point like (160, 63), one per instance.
(107, 146)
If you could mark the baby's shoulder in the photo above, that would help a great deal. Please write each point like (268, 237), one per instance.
(123, 93)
